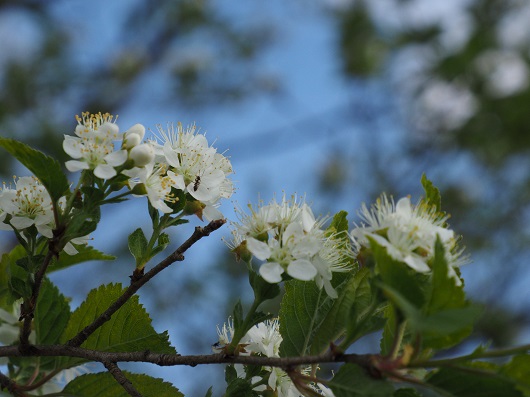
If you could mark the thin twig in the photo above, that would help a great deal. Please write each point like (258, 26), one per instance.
(28, 307)
(137, 283)
(120, 377)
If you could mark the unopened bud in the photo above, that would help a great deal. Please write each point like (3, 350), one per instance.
(142, 154)
(133, 137)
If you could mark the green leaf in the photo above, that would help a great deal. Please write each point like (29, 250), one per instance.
(239, 388)
(51, 317)
(262, 289)
(104, 385)
(442, 323)
(230, 374)
(518, 369)
(474, 381)
(209, 392)
(85, 254)
(353, 381)
(129, 329)
(138, 246)
(162, 243)
(44, 167)
(447, 302)
(303, 310)
(432, 194)
(51, 314)
(237, 315)
(339, 223)
(30, 263)
(398, 276)
(349, 311)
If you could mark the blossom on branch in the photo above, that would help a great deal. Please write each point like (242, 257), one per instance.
(93, 148)
(288, 238)
(408, 232)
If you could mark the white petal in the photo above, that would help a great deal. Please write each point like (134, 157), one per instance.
(71, 146)
(211, 213)
(271, 272)
(330, 290)
(417, 264)
(302, 269)
(104, 171)
(171, 155)
(137, 129)
(258, 248)
(403, 207)
(70, 249)
(203, 192)
(45, 230)
(178, 180)
(116, 158)
(21, 222)
(74, 165)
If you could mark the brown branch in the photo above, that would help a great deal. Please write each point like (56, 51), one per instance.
(120, 377)
(28, 306)
(7, 383)
(364, 360)
(138, 281)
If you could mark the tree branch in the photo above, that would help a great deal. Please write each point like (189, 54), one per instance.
(364, 360)
(6, 383)
(138, 282)
(28, 307)
(120, 377)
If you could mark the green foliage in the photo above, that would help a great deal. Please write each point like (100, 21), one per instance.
(352, 381)
(47, 169)
(475, 380)
(104, 385)
(129, 329)
(51, 314)
(262, 289)
(517, 370)
(138, 245)
(432, 194)
(303, 310)
(85, 254)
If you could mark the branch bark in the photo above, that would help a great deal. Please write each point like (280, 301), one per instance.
(364, 360)
(120, 377)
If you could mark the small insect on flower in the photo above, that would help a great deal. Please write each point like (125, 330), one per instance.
(197, 183)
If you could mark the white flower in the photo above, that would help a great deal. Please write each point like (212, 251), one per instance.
(93, 148)
(157, 185)
(225, 335)
(288, 238)
(280, 383)
(29, 204)
(195, 167)
(264, 338)
(408, 233)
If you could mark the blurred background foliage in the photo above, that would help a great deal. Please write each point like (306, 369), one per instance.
(431, 86)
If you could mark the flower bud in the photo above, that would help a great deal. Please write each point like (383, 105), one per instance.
(133, 137)
(142, 154)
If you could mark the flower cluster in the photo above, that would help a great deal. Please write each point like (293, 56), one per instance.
(177, 160)
(288, 238)
(264, 340)
(29, 204)
(408, 232)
